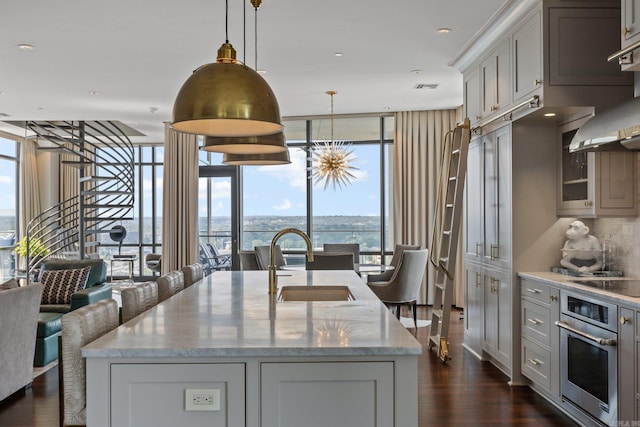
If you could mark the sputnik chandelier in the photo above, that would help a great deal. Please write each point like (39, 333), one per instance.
(332, 160)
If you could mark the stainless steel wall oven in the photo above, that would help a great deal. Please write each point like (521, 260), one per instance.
(589, 356)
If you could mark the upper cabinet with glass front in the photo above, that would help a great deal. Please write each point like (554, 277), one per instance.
(594, 185)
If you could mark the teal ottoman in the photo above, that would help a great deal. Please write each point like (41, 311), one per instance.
(49, 327)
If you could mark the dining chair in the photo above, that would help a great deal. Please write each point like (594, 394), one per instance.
(331, 261)
(138, 299)
(153, 262)
(212, 260)
(192, 273)
(249, 261)
(80, 327)
(263, 254)
(170, 284)
(354, 248)
(404, 286)
(395, 259)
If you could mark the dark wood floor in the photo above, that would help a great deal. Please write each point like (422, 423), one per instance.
(465, 391)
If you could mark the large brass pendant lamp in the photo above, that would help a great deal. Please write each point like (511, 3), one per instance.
(227, 99)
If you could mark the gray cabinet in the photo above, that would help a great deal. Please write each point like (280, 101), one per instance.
(473, 307)
(628, 382)
(487, 199)
(540, 340)
(527, 57)
(495, 80)
(630, 31)
(327, 394)
(472, 96)
(592, 185)
(497, 197)
(497, 315)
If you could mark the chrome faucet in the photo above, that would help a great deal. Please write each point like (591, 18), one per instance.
(273, 279)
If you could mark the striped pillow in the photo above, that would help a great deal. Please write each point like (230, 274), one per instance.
(59, 285)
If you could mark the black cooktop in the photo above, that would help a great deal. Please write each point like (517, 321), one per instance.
(630, 288)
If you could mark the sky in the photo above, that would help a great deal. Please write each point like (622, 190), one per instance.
(280, 190)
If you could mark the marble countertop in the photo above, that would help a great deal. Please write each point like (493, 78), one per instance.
(568, 282)
(230, 314)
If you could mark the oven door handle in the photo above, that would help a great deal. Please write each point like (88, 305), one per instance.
(596, 339)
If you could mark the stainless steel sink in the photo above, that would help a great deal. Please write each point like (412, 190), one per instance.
(315, 293)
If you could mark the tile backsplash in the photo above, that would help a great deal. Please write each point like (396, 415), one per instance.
(625, 233)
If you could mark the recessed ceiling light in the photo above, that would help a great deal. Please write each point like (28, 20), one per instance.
(2, 92)
(261, 71)
(25, 46)
(94, 92)
(549, 114)
(338, 54)
(443, 30)
(416, 71)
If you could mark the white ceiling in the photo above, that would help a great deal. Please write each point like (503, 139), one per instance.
(137, 53)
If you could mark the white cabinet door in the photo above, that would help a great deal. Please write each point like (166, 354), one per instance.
(497, 197)
(527, 57)
(474, 204)
(496, 80)
(497, 316)
(155, 394)
(473, 306)
(356, 394)
(630, 21)
(472, 96)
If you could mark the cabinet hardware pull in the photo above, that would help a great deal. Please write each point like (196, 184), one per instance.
(478, 244)
(535, 321)
(534, 362)
(624, 320)
(553, 298)
(536, 82)
(494, 247)
(534, 291)
(477, 279)
(594, 338)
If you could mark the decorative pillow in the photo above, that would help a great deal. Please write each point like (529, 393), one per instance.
(9, 284)
(59, 285)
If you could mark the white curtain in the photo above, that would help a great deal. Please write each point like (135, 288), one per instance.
(179, 200)
(419, 138)
(29, 188)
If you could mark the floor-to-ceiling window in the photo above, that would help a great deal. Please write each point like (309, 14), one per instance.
(144, 227)
(9, 158)
(274, 197)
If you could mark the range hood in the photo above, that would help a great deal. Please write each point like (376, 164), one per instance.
(611, 130)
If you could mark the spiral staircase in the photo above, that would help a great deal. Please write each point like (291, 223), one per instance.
(103, 156)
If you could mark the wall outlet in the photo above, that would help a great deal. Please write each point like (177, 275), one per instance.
(202, 399)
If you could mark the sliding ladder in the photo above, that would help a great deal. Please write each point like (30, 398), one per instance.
(446, 229)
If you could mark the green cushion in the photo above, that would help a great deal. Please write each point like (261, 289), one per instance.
(46, 350)
(49, 324)
(97, 276)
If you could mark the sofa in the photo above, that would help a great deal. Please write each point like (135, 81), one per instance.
(18, 317)
(50, 317)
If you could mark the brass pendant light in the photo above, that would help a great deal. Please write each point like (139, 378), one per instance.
(281, 158)
(227, 99)
(240, 151)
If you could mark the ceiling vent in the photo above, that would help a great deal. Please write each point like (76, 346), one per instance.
(421, 86)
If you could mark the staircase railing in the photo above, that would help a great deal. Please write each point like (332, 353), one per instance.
(104, 157)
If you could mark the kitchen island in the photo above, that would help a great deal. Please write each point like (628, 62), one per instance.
(223, 352)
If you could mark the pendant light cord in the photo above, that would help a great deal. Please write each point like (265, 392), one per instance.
(255, 35)
(226, 21)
